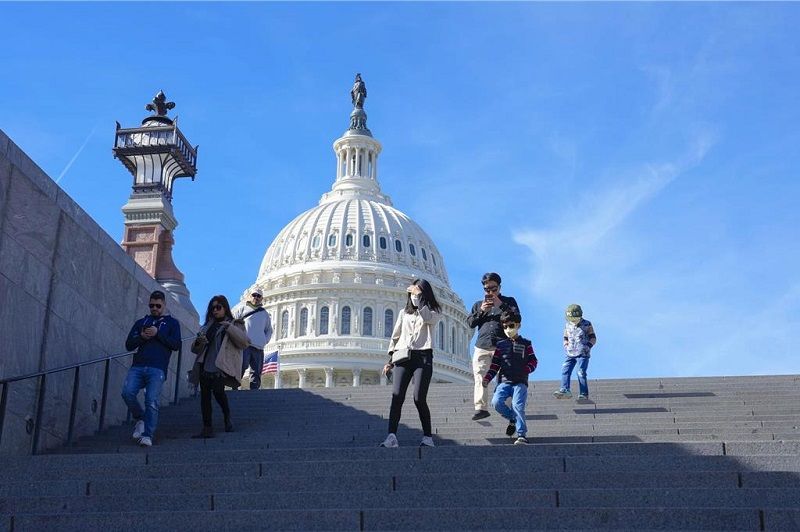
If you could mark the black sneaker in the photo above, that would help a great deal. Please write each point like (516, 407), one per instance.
(511, 428)
(522, 440)
(480, 414)
(228, 425)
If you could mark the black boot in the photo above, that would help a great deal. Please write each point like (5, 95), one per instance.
(207, 432)
(228, 424)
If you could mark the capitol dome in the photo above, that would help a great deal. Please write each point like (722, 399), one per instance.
(334, 279)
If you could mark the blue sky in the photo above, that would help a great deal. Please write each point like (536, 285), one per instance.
(639, 159)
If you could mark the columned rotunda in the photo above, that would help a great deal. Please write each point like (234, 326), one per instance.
(334, 278)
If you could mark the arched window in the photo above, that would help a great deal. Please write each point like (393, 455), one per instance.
(382, 242)
(345, 321)
(303, 322)
(331, 240)
(412, 250)
(388, 323)
(323, 320)
(348, 240)
(315, 242)
(365, 241)
(366, 328)
(424, 255)
(434, 259)
(441, 336)
(453, 340)
(284, 324)
(398, 246)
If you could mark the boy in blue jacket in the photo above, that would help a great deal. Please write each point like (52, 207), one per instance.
(512, 362)
(154, 337)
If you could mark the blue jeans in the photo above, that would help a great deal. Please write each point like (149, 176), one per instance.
(253, 358)
(515, 414)
(152, 380)
(566, 373)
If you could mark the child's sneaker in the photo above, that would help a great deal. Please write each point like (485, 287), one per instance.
(138, 430)
(390, 441)
(427, 441)
(511, 428)
(583, 397)
(522, 440)
(145, 441)
(562, 394)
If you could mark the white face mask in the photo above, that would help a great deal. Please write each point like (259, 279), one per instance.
(415, 299)
(511, 332)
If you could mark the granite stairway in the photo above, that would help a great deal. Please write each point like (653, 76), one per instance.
(648, 454)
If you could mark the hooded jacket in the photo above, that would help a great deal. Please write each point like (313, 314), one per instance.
(154, 352)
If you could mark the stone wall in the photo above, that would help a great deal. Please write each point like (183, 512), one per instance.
(69, 294)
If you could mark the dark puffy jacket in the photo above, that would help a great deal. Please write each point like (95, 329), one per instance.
(513, 360)
(155, 352)
(488, 323)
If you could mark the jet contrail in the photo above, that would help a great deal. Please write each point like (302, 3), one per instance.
(77, 153)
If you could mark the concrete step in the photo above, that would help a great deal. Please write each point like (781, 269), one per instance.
(757, 498)
(506, 518)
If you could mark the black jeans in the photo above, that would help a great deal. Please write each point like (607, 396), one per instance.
(212, 383)
(420, 368)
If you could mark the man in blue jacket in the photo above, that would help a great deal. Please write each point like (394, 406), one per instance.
(154, 337)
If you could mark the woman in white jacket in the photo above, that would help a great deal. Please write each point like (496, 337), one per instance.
(413, 331)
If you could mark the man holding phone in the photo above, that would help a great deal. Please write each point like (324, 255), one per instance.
(154, 337)
(485, 316)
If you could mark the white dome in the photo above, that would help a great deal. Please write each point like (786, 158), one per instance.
(354, 230)
(334, 280)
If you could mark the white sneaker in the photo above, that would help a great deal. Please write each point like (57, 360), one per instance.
(145, 441)
(427, 441)
(390, 441)
(138, 430)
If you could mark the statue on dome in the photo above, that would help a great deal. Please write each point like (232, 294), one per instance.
(358, 93)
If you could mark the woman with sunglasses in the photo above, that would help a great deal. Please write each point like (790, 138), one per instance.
(414, 332)
(218, 347)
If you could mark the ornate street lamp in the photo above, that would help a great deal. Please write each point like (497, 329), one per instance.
(156, 154)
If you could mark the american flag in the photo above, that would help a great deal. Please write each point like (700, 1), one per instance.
(270, 363)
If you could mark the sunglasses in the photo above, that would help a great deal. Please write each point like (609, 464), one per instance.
(217, 307)
(155, 305)
(491, 288)
(256, 296)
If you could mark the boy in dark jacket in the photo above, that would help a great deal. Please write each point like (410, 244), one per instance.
(512, 362)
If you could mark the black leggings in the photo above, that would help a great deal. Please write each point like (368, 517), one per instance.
(420, 367)
(212, 383)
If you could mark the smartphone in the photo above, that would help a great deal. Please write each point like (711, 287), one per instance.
(488, 299)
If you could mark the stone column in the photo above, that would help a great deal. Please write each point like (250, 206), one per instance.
(357, 377)
(301, 373)
(277, 380)
(329, 377)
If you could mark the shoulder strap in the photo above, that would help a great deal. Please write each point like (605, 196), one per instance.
(255, 311)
